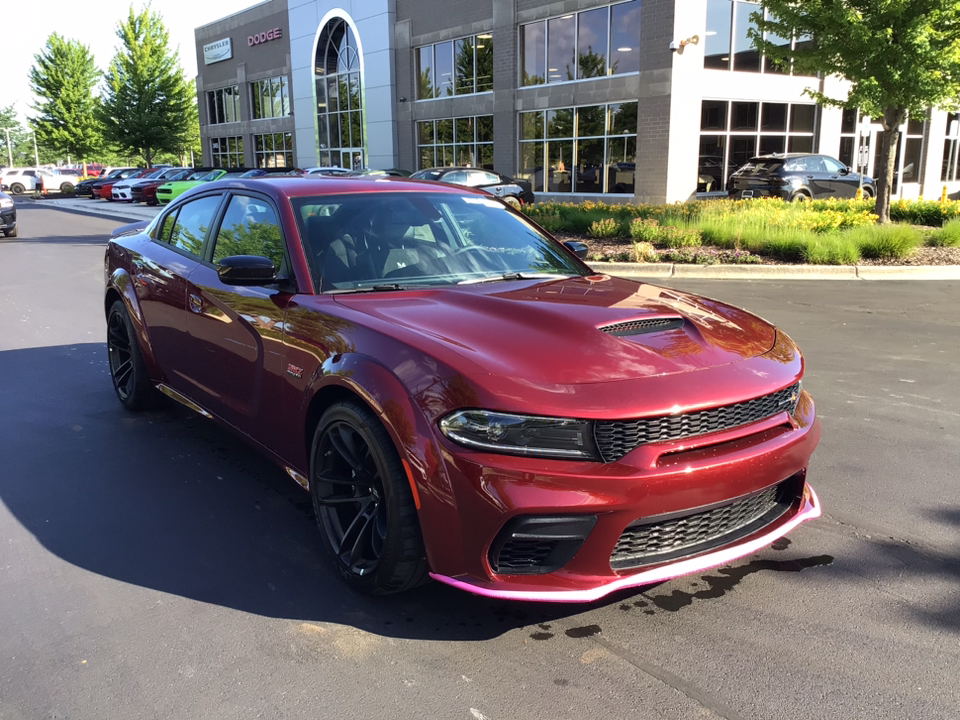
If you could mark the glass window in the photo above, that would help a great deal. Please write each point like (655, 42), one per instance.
(445, 131)
(802, 118)
(774, 117)
(832, 165)
(625, 45)
(560, 123)
(716, 51)
(249, 227)
(425, 132)
(592, 35)
(340, 119)
(533, 38)
(444, 69)
(768, 64)
(745, 58)
(560, 159)
(621, 164)
(589, 170)
(561, 60)
(848, 123)
(485, 128)
(744, 116)
(464, 130)
(531, 164)
(590, 120)
(711, 176)
(464, 69)
(770, 144)
(193, 222)
(742, 148)
(425, 73)
(484, 52)
(912, 158)
(713, 115)
(531, 125)
(166, 227)
(801, 143)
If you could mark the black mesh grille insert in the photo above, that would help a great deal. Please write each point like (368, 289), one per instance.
(615, 438)
(524, 555)
(643, 544)
(639, 327)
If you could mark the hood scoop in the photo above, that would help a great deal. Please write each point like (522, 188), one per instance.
(642, 326)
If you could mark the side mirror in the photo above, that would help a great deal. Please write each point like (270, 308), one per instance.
(579, 249)
(247, 270)
(846, 170)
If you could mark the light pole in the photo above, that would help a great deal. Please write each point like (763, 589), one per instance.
(36, 156)
(6, 132)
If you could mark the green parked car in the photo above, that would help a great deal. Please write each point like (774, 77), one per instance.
(171, 190)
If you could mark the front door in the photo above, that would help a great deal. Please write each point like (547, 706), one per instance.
(235, 334)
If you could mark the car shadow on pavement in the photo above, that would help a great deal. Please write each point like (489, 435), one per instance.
(170, 501)
(75, 232)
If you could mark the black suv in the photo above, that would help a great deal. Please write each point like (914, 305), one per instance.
(8, 216)
(797, 176)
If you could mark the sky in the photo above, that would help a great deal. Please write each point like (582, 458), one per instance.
(27, 25)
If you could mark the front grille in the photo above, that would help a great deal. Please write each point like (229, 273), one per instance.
(640, 327)
(645, 542)
(615, 438)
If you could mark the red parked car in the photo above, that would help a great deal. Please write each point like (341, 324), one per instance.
(102, 188)
(462, 397)
(106, 188)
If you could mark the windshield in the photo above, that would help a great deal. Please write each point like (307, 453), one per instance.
(395, 241)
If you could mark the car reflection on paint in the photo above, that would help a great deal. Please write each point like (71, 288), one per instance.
(461, 396)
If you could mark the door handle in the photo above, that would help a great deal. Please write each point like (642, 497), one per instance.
(196, 303)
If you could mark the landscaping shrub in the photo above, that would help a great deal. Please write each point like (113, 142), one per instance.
(947, 236)
(604, 228)
(885, 242)
(644, 252)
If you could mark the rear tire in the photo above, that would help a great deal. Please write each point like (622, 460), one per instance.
(363, 502)
(513, 202)
(66, 187)
(800, 196)
(867, 193)
(127, 369)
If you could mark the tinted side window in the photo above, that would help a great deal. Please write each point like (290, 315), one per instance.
(30, 173)
(166, 227)
(193, 222)
(832, 165)
(249, 227)
(457, 177)
(815, 164)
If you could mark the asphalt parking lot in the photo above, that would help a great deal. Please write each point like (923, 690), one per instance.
(153, 566)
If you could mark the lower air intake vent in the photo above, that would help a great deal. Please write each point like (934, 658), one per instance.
(640, 327)
(646, 542)
(529, 545)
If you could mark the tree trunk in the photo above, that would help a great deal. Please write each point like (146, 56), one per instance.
(893, 118)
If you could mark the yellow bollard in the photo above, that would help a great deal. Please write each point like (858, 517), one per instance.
(943, 195)
(859, 193)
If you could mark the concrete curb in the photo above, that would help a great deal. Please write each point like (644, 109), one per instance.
(132, 213)
(780, 272)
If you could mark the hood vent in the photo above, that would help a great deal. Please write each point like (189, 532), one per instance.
(641, 327)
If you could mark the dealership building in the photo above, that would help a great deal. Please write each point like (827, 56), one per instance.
(655, 100)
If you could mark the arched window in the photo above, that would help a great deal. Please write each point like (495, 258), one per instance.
(340, 125)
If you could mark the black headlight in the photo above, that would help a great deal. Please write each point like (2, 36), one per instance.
(521, 434)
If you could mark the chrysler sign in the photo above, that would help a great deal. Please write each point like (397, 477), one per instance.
(217, 51)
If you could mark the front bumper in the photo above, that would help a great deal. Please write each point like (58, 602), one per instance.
(659, 480)
(8, 218)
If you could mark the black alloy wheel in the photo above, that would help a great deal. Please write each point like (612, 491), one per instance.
(127, 370)
(363, 502)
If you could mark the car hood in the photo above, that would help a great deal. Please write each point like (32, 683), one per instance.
(550, 332)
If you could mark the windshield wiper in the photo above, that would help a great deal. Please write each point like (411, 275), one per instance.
(387, 287)
(513, 276)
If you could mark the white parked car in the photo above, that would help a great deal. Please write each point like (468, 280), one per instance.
(123, 190)
(21, 180)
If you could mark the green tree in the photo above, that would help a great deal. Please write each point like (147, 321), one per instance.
(21, 144)
(62, 78)
(900, 56)
(146, 104)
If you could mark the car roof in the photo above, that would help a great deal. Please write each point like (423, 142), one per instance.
(294, 187)
(457, 169)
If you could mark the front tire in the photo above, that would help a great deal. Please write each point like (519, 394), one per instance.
(17, 189)
(11, 233)
(800, 197)
(513, 202)
(127, 369)
(363, 502)
(867, 193)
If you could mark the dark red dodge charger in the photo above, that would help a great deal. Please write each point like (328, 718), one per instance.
(461, 395)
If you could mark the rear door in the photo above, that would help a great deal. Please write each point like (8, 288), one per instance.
(160, 275)
(235, 334)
